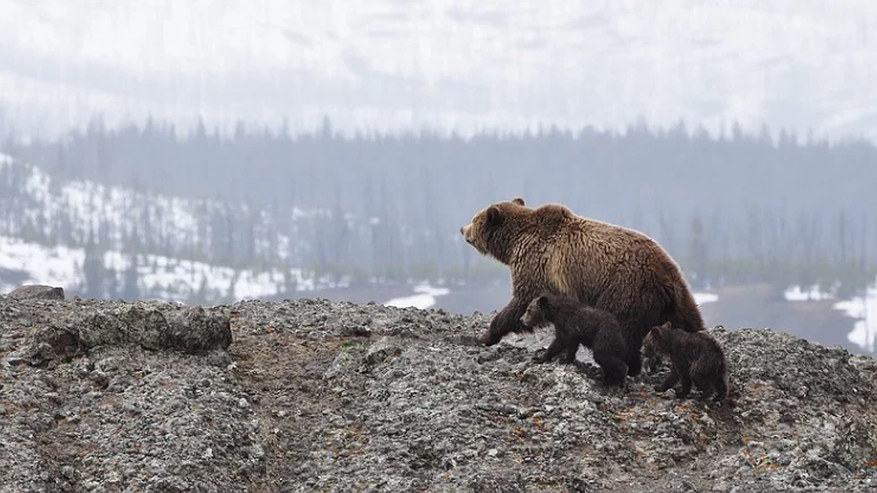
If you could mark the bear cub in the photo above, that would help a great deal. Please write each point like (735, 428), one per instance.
(574, 324)
(694, 357)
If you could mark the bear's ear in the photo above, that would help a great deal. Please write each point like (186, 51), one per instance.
(542, 301)
(656, 329)
(494, 216)
(518, 200)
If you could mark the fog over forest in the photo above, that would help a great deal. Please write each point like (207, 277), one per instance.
(335, 150)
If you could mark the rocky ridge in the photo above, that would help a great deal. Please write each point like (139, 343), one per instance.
(312, 395)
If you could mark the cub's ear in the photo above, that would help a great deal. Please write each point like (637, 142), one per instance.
(518, 200)
(657, 328)
(542, 301)
(494, 215)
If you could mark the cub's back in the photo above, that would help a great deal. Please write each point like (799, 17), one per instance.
(577, 315)
(710, 344)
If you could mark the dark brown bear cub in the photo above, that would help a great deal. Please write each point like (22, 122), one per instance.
(694, 357)
(574, 324)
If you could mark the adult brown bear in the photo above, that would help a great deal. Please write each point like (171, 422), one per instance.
(612, 268)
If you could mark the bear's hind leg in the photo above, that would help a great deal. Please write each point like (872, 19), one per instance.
(721, 388)
(705, 384)
(614, 369)
(571, 350)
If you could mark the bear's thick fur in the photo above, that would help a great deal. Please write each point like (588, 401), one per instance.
(608, 267)
(694, 357)
(574, 324)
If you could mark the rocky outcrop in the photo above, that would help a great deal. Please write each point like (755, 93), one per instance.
(76, 329)
(37, 292)
(319, 396)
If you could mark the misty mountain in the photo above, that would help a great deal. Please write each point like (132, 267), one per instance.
(448, 65)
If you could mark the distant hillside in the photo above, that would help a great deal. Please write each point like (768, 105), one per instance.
(144, 276)
(109, 241)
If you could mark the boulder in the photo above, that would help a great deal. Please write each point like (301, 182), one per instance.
(37, 292)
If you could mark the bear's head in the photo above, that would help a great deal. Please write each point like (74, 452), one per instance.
(657, 341)
(538, 313)
(493, 230)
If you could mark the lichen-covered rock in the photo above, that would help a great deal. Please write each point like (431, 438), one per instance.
(151, 326)
(195, 330)
(37, 292)
(321, 396)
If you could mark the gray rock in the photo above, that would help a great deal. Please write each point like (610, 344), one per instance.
(380, 351)
(37, 292)
(191, 330)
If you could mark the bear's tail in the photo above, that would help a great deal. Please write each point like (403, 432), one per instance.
(681, 309)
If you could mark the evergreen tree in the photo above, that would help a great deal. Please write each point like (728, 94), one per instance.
(131, 288)
(93, 270)
(698, 255)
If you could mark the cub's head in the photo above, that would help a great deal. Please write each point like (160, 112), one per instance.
(538, 313)
(492, 230)
(657, 341)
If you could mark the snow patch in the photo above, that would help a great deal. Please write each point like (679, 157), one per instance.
(701, 298)
(424, 299)
(159, 277)
(795, 293)
(54, 266)
(864, 309)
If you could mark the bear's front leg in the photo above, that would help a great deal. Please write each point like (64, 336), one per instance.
(571, 351)
(669, 382)
(507, 320)
(553, 350)
(686, 386)
(570, 342)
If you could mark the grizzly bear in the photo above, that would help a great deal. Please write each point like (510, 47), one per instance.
(694, 357)
(574, 324)
(609, 267)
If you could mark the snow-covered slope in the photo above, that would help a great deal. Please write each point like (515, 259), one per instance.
(467, 64)
(158, 276)
(174, 245)
(89, 202)
(36, 201)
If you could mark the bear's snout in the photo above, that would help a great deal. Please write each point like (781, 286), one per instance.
(464, 230)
